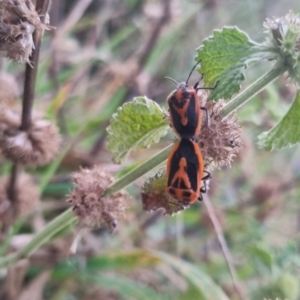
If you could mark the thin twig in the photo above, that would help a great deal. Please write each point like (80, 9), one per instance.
(222, 241)
(11, 192)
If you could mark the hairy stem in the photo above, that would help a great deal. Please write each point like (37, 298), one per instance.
(139, 171)
(65, 219)
(243, 97)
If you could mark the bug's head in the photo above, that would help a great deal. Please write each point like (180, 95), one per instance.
(182, 86)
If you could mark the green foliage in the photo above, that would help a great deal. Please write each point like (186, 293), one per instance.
(200, 285)
(287, 132)
(286, 286)
(128, 288)
(207, 289)
(136, 125)
(124, 260)
(262, 256)
(224, 57)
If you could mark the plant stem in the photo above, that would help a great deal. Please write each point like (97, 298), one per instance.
(31, 68)
(251, 91)
(227, 255)
(65, 219)
(11, 191)
(28, 94)
(139, 171)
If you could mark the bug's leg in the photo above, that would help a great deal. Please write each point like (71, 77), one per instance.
(203, 189)
(200, 198)
(206, 122)
(197, 83)
(206, 177)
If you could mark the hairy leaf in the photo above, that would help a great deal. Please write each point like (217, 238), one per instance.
(135, 125)
(287, 132)
(224, 57)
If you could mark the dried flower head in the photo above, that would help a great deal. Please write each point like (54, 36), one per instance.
(18, 21)
(154, 195)
(26, 199)
(92, 209)
(220, 140)
(34, 147)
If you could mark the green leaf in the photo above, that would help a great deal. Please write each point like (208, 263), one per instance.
(129, 289)
(123, 260)
(207, 289)
(136, 125)
(262, 255)
(224, 57)
(286, 133)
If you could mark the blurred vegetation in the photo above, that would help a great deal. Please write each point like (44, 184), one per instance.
(98, 58)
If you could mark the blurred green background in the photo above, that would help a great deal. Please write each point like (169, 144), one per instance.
(101, 55)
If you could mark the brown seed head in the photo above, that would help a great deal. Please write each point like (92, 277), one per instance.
(92, 209)
(26, 199)
(154, 195)
(34, 147)
(18, 21)
(220, 140)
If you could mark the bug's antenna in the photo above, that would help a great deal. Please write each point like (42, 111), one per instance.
(194, 67)
(172, 80)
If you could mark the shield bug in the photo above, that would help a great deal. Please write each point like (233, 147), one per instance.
(185, 109)
(185, 170)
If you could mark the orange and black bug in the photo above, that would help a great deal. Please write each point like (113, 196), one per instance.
(185, 109)
(185, 170)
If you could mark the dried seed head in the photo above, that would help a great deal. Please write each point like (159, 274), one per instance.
(26, 199)
(154, 195)
(9, 89)
(92, 209)
(34, 147)
(220, 140)
(18, 21)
